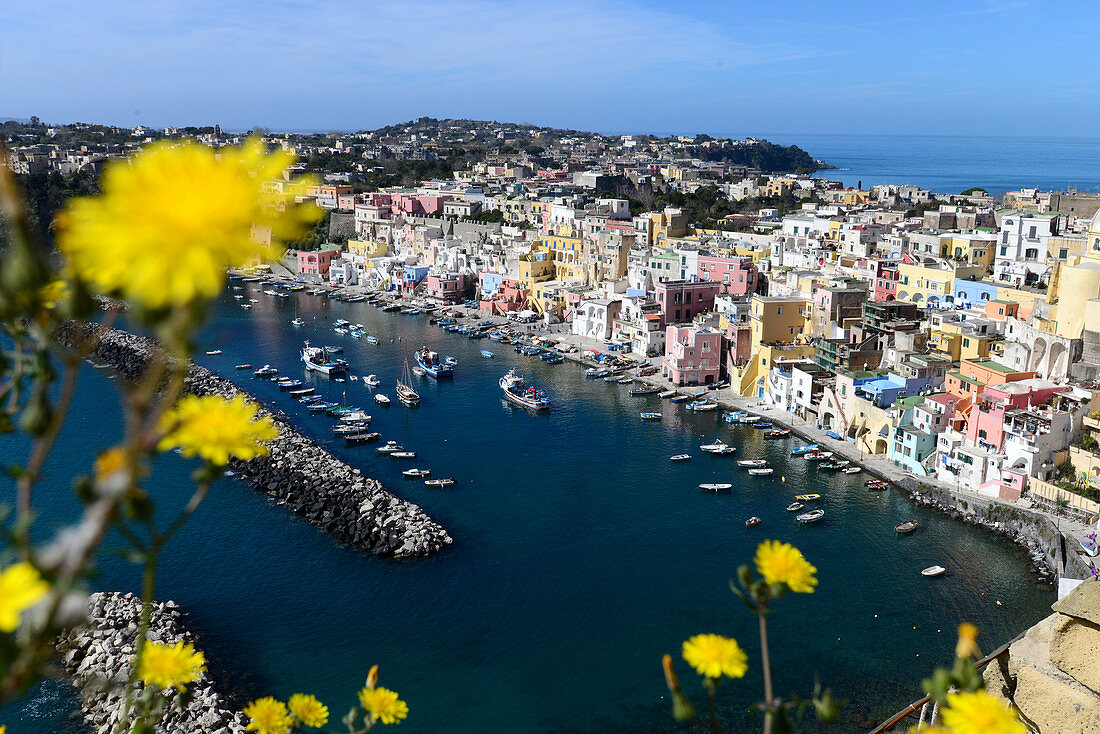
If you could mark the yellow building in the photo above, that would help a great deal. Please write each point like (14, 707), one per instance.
(928, 283)
(368, 248)
(536, 266)
(955, 341)
(780, 329)
(973, 248)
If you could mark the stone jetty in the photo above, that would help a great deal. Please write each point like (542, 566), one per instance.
(298, 473)
(99, 658)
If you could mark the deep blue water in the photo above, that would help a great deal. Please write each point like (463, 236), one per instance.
(581, 553)
(954, 163)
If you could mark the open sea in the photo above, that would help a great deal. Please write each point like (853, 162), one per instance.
(581, 552)
(951, 164)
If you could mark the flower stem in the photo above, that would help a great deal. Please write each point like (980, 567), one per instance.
(765, 664)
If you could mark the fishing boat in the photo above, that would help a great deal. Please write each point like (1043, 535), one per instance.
(416, 473)
(762, 471)
(486, 353)
(440, 483)
(664, 394)
(431, 363)
(371, 339)
(680, 398)
(318, 360)
(245, 366)
(382, 399)
(933, 571)
(297, 322)
(372, 380)
(716, 487)
(810, 517)
(214, 352)
(362, 437)
(405, 394)
(595, 372)
(389, 448)
(807, 497)
(906, 527)
(265, 371)
(752, 462)
(711, 447)
(402, 454)
(650, 416)
(520, 393)
(852, 469)
(702, 406)
(818, 455)
(777, 433)
(795, 507)
(753, 521)
(801, 450)
(680, 457)
(556, 359)
(648, 390)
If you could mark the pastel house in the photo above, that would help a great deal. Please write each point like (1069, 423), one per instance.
(693, 355)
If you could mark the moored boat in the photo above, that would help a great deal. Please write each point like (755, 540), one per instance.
(433, 364)
(711, 447)
(753, 521)
(389, 448)
(762, 471)
(802, 450)
(810, 517)
(752, 462)
(650, 416)
(666, 394)
(440, 483)
(906, 527)
(402, 454)
(372, 380)
(265, 371)
(807, 497)
(214, 352)
(520, 393)
(852, 470)
(318, 360)
(246, 366)
(716, 487)
(680, 457)
(382, 399)
(777, 433)
(405, 394)
(638, 391)
(795, 507)
(416, 473)
(933, 571)
(702, 406)
(486, 353)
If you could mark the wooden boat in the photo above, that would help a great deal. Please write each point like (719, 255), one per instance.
(716, 487)
(807, 497)
(933, 571)
(302, 392)
(752, 521)
(810, 517)
(650, 416)
(627, 381)
(795, 507)
(762, 472)
(906, 527)
(752, 462)
(416, 473)
(440, 483)
(680, 457)
(680, 398)
(405, 394)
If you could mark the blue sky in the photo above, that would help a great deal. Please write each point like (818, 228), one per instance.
(759, 68)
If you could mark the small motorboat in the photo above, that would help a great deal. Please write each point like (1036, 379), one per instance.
(372, 381)
(266, 371)
(753, 521)
(245, 366)
(382, 399)
(446, 482)
(666, 394)
(777, 433)
(752, 462)
(810, 517)
(371, 339)
(906, 527)
(416, 473)
(611, 378)
(807, 497)
(644, 390)
(680, 398)
(795, 507)
(361, 437)
(625, 380)
(289, 384)
(486, 353)
(876, 485)
(302, 392)
(321, 406)
(402, 454)
(933, 571)
(297, 322)
(214, 352)
(712, 447)
(390, 448)
(699, 406)
(799, 451)
(762, 424)
(716, 487)
(852, 470)
(650, 416)
(762, 472)
(681, 457)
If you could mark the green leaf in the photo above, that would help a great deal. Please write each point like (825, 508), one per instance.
(682, 708)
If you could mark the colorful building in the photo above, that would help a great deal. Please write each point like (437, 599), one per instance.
(693, 355)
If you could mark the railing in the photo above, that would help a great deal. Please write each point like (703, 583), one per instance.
(919, 704)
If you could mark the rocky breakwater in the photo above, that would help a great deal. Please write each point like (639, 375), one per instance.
(1051, 674)
(99, 658)
(303, 476)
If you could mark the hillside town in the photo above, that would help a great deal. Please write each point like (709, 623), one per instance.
(956, 336)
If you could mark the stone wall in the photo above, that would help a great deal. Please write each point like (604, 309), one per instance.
(98, 656)
(303, 476)
(1052, 673)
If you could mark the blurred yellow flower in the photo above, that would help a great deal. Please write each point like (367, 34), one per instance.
(308, 710)
(268, 716)
(172, 219)
(216, 429)
(383, 705)
(170, 666)
(111, 462)
(782, 563)
(980, 713)
(715, 656)
(21, 587)
(968, 641)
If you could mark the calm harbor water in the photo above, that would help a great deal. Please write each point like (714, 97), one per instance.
(954, 163)
(581, 553)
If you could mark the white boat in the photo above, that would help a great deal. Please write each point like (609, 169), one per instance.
(795, 507)
(702, 406)
(318, 360)
(372, 381)
(666, 394)
(810, 517)
(650, 416)
(520, 393)
(852, 470)
(934, 571)
(752, 462)
(405, 394)
(297, 322)
(402, 454)
(356, 416)
(716, 487)
(711, 447)
(446, 482)
(390, 448)
(214, 352)
(382, 399)
(761, 472)
(416, 473)
(681, 457)
(486, 353)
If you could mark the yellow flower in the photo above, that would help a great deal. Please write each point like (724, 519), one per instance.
(715, 656)
(269, 716)
(52, 294)
(21, 587)
(170, 666)
(383, 705)
(308, 710)
(171, 220)
(3, 729)
(216, 429)
(782, 563)
(980, 713)
(968, 641)
(111, 462)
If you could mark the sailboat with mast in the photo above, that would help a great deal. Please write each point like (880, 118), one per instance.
(405, 394)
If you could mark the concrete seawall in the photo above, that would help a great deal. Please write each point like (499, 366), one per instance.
(299, 473)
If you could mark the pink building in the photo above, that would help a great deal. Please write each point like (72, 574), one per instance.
(446, 287)
(739, 276)
(316, 263)
(693, 356)
(886, 281)
(986, 424)
(681, 300)
(414, 205)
